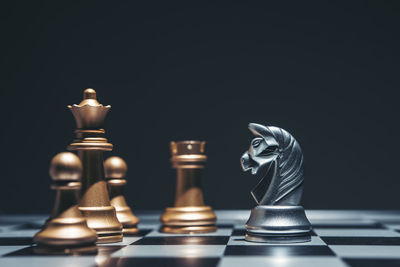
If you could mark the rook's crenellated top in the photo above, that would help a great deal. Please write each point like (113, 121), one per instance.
(188, 154)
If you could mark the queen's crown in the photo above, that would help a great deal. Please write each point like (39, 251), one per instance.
(89, 114)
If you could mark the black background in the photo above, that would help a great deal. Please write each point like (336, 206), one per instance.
(327, 72)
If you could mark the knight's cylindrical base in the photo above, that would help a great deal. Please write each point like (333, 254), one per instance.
(278, 224)
(190, 219)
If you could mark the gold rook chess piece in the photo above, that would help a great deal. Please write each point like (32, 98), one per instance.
(116, 168)
(90, 143)
(66, 231)
(189, 214)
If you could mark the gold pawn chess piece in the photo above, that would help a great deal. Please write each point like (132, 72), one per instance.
(66, 231)
(116, 168)
(189, 214)
(90, 143)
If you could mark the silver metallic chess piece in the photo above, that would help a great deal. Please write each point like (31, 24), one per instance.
(277, 156)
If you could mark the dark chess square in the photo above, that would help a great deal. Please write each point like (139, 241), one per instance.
(273, 250)
(165, 262)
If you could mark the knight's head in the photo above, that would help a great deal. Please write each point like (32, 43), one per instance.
(263, 150)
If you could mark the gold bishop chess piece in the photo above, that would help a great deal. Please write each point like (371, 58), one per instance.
(116, 168)
(66, 231)
(189, 214)
(90, 143)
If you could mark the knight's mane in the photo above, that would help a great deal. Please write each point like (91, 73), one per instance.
(290, 162)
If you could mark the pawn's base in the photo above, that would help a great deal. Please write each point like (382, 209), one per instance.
(278, 224)
(66, 232)
(126, 217)
(187, 220)
(127, 231)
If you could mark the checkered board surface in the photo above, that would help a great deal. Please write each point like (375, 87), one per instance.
(340, 238)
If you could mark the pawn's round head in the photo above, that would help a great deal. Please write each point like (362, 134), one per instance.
(115, 168)
(66, 166)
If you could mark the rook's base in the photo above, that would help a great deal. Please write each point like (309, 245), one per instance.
(186, 220)
(49, 250)
(188, 229)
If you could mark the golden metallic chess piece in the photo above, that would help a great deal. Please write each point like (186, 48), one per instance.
(66, 231)
(90, 143)
(116, 168)
(189, 214)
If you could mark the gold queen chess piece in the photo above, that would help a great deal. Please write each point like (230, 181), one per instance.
(90, 143)
(189, 214)
(116, 168)
(66, 231)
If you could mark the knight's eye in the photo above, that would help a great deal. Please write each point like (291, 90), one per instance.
(256, 142)
(268, 150)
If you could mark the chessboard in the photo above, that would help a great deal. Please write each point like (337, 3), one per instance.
(339, 238)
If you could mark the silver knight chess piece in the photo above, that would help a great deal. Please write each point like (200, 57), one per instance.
(276, 156)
